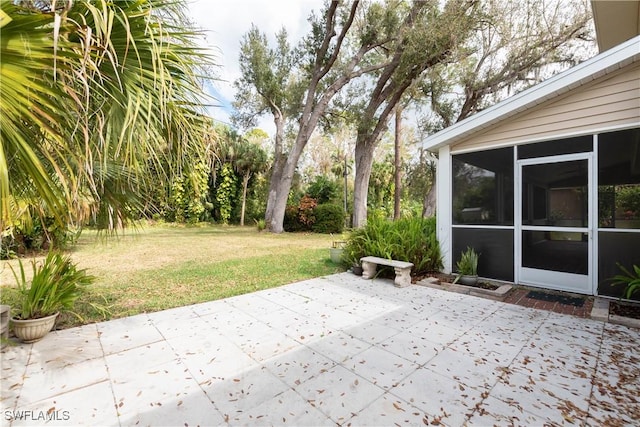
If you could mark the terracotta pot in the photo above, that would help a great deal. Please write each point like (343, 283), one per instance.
(32, 330)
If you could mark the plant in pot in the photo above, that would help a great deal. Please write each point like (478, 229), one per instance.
(55, 287)
(467, 267)
(336, 251)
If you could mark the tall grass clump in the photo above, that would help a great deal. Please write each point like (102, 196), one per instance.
(408, 239)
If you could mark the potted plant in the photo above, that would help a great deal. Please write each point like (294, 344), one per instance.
(336, 251)
(467, 267)
(55, 287)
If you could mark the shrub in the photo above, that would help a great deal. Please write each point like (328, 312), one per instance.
(301, 217)
(408, 239)
(630, 279)
(323, 189)
(329, 218)
(290, 222)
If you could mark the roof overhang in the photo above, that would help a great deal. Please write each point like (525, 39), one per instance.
(600, 65)
(615, 21)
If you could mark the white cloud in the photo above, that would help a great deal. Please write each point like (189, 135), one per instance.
(227, 21)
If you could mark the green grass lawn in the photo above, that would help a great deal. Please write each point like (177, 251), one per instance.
(160, 267)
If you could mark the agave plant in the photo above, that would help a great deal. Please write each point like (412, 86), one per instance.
(630, 279)
(468, 263)
(55, 286)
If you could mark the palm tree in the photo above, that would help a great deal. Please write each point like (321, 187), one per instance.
(250, 159)
(92, 93)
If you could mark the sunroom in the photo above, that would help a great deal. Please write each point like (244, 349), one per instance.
(546, 184)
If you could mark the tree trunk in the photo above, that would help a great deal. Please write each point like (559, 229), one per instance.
(398, 160)
(364, 162)
(276, 171)
(283, 185)
(245, 184)
(429, 202)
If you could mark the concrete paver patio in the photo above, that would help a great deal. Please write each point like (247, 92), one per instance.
(332, 350)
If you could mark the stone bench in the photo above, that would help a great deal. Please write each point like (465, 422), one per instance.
(403, 269)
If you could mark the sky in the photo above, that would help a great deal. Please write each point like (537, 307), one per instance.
(226, 21)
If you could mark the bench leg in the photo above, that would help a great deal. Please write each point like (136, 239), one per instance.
(368, 270)
(403, 277)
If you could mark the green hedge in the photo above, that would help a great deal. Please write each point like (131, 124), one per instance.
(408, 239)
(329, 218)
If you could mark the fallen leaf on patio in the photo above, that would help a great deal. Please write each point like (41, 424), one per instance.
(236, 380)
(398, 407)
(179, 403)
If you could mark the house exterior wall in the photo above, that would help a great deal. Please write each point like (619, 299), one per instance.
(607, 103)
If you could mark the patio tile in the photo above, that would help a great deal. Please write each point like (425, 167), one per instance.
(218, 365)
(282, 296)
(442, 399)
(401, 318)
(244, 391)
(298, 327)
(127, 333)
(309, 354)
(231, 321)
(288, 408)
(188, 410)
(200, 341)
(170, 328)
(371, 332)
(455, 320)
(563, 371)
(541, 398)
(339, 393)
(380, 367)
(254, 304)
(495, 412)
(13, 359)
(474, 307)
(60, 348)
(152, 387)
(435, 332)
(414, 348)
(389, 410)
(172, 315)
(339, 346)
(211, 308)
(41, 382)
(471, 370)
(570, 335)
(486, 345)
(298, 366)
(140, 360)
(91, 406)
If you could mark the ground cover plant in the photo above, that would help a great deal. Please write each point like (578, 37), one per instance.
(167, 266)
(407, 239)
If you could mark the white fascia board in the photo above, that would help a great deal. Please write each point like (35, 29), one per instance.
(598, 66)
